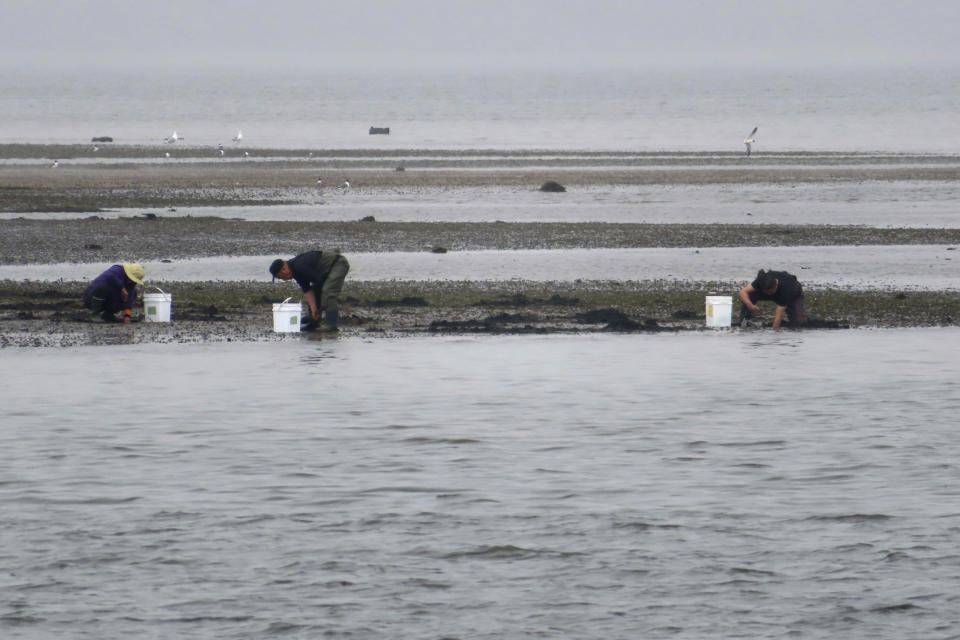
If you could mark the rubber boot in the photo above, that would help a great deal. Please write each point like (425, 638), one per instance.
(330, 318)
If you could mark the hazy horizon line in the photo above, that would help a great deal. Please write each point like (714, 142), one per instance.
(471, 67)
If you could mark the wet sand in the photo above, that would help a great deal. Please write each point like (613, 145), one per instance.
(49, 314)
(118, 176)
(31, 241)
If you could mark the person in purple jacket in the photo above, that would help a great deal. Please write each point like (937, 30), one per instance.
(114, 290)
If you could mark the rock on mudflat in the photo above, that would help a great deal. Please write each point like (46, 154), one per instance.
(553, 187)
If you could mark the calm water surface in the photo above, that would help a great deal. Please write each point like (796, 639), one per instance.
(715, 484)
(911, 110)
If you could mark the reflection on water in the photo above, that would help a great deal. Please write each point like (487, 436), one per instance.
(694, 485)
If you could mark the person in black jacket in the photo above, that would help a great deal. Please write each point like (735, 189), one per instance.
(320, 275)
(783, 289)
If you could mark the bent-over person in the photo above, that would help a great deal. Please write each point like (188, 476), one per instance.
(320, 275)
(780, 287)
(114, 290)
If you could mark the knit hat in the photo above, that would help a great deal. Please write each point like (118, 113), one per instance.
(134, 271)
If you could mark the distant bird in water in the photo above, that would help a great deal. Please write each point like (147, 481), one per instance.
(238, 137)
(56, 163)
(173, 138)
(246, 154)
(345, 185)
(166, 155)
(220, 151)
(94, 149)
(319, 183)
(748, 143)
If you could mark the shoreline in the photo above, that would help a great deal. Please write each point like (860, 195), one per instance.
(44, 314)
(116, 149)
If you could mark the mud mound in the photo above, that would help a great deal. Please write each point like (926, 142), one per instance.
(551, 186)
(503, 318)
(602, 316)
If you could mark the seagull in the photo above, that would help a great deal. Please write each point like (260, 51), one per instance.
(95, 148)
(319, 183)
(56, 163)
(345, 185)
(173, 138)
(750, 139)
(246, 154)
(220, 151)
(167, 154)
(239, 136)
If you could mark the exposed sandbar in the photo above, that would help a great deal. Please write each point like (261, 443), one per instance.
(51, 314)
(123, 177)
(29, 241)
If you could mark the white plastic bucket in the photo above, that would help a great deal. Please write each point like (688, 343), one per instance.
(719, 311)
(156, 306)
(286, 316)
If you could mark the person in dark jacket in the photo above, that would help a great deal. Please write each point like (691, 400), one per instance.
(783, 289)
(320, 275)
(114, 290)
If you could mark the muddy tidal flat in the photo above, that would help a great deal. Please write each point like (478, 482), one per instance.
(50, 314)
(87, 184)
(57, 178)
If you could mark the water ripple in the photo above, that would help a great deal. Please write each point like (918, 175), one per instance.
(325, 509)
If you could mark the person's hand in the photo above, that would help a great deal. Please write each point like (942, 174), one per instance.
(123, 294)
(754, 308)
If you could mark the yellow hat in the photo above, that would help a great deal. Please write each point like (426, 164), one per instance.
(134, 271)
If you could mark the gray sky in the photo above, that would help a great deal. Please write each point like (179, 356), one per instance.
(478, 34)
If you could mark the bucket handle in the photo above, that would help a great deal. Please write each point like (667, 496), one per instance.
(158, 288)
